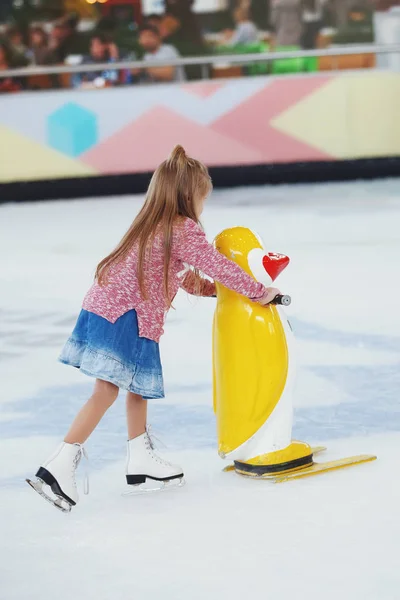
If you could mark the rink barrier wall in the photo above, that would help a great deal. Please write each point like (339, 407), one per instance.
(223, 177)
(248, 131)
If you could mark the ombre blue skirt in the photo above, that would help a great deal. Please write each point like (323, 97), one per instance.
(114, 352)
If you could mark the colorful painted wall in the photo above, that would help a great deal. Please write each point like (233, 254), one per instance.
(245, 121)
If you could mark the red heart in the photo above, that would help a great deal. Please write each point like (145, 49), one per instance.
(275, 263)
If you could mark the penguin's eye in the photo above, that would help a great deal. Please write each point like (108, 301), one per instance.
(255, 260)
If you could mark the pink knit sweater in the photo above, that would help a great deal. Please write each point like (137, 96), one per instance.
(189, 248)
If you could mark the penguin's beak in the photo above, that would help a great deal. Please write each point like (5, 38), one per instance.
(275, 263)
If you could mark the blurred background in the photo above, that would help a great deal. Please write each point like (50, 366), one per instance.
(255, 84)
(49, 32)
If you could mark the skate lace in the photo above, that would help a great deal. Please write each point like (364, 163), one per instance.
(77, 459)
(149, 441)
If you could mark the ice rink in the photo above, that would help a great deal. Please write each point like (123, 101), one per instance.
(336, 536)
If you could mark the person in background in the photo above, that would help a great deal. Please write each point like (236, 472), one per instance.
(9, 84)
(58, 43)
(19, 50)
(342, 8)
(246, 32)
(65, 39)
(164, 24)
(154, 50)
(101, 51)
(179, 27)
(155, 20)
(39, 52)
(313, 12)
(287, 22)
(187, 37)
(169, 28)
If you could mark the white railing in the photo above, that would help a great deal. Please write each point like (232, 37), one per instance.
(205, 61)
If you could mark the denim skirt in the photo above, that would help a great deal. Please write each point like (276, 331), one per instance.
(114, 352)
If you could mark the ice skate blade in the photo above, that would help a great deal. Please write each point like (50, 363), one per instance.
(58, 502)
(315, 469)
(316, 450)
(161, 486)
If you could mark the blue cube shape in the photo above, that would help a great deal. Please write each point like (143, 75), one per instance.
(72, 129)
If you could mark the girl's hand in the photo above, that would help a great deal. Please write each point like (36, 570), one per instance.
(267, 298)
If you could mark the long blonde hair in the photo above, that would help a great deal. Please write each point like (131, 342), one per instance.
(175, 188)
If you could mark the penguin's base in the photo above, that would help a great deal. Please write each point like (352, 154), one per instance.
(298, 455)
(315, 450)
(314, 469)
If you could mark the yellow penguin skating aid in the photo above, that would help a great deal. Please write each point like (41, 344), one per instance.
(253, 374)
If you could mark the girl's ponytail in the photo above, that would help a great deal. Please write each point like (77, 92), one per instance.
(178, 159)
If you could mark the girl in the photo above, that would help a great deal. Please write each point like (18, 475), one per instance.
(119, 327)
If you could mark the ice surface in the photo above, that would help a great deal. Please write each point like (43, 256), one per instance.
(335, 536)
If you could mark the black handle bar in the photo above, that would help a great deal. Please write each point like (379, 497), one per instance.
(282, 299)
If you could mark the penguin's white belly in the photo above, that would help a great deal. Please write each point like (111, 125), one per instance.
(252, 378)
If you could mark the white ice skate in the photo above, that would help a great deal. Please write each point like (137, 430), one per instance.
(58, 473)
(144, 464)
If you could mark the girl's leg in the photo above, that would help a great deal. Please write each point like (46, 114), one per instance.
(136, 415)
(104, 395)
(142, 461)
